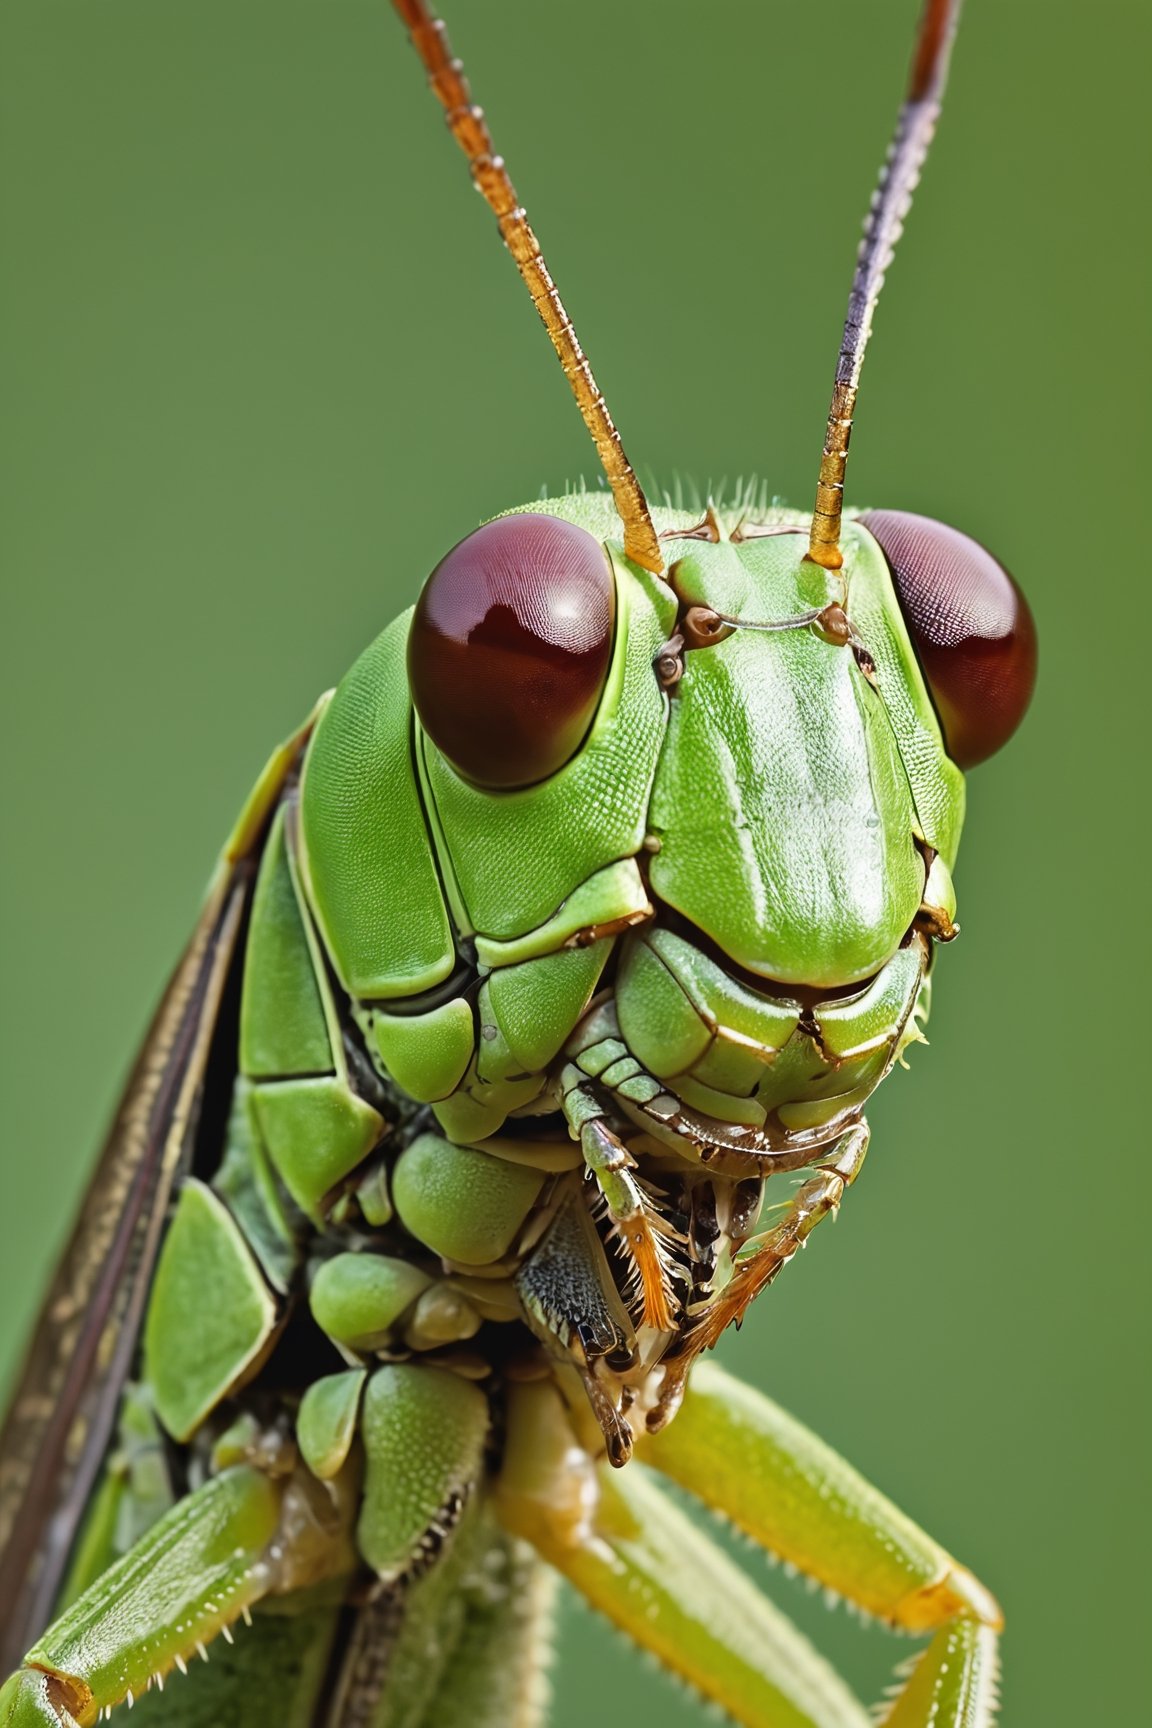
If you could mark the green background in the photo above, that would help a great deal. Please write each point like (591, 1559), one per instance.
(264, 361)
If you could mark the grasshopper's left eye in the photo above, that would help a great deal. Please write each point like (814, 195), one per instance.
(971, 627)
(510, 646)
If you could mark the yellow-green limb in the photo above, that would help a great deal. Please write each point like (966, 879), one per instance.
(795, 1497)
(200, 1569)
(642, 1562)
(471, 1648)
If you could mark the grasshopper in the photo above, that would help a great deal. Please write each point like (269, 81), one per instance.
(590, 908)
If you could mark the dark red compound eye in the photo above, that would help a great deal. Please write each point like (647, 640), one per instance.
(971, 627)
(510, 646)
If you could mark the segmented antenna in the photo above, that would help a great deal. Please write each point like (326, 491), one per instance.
(469, 128)
(890, 205)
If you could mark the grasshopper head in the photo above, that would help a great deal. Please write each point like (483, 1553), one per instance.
(774, 742)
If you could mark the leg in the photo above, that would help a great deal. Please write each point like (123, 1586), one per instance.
(463, 1646)
(498, 1677)
(794, 1496)
(495, 1675)
(198, 1570)
(642, 1562)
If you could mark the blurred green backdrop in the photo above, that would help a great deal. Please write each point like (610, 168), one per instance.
(264, 360)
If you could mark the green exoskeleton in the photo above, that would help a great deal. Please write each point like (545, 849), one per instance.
(525, 1036)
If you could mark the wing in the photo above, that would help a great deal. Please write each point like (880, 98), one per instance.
(65, 1402)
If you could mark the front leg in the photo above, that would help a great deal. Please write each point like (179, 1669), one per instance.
(236, 1539)
(795, 1497)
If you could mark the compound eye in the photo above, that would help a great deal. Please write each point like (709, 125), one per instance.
(971, 627)
(510, 646)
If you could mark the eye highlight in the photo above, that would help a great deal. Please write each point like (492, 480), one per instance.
(510, 646)
(971, 627)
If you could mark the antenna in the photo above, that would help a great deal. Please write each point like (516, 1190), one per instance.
(885, 223)
(468, 126)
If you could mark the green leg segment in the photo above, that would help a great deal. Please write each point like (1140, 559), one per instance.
(471, 1648)
(745, 1457)
(644, 1564)
(955, 1683)
(198, 1570)
(498, 1675)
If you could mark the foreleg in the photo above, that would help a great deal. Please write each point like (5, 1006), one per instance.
(793, 1495)
(636, 1557)
(198, 1570)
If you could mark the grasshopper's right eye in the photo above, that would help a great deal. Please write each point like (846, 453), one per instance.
(510, 646)
(971, 627)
